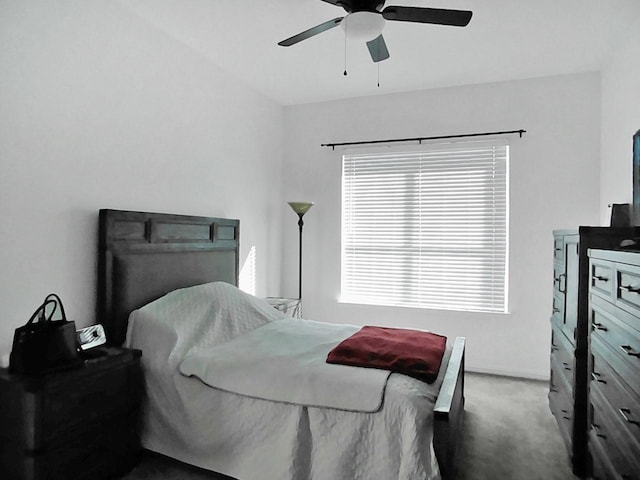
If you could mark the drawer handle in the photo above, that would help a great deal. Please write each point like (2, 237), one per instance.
(598, 326)
(630, 288)
(556, 310)
(625, 413)
(628, 349)
(600, 278)
(596, 377)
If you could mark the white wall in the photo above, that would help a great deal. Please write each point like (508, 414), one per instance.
(554, 184)
(99, 109)
(620, 120)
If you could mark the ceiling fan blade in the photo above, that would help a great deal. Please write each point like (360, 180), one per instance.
(334, 2)
(439, 16)
(378, 49)
(311, 32)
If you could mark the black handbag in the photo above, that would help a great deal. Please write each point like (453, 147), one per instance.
(44, 345)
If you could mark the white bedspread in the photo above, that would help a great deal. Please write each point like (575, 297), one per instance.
(253, 439)
(285, 361)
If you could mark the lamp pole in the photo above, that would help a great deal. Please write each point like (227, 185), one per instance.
(300, 208)
(300, 224)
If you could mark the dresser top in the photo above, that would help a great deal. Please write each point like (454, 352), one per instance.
(623, 256)
(565, 231)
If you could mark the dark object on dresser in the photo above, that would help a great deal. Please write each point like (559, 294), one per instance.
(621, 215)
(43, 344)
(614, 391)
(72, 425)
(568, 392)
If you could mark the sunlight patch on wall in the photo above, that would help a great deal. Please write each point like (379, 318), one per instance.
(247, 280)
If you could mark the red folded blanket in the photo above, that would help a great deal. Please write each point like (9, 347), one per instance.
(411, 352)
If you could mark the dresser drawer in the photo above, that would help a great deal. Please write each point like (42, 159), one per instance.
(560, 381)
(615, 341)
(623, 402)
(610, 431)
(603, 278)
(628, 288)
(557, 311)
(602, 469)
(101, 452)
(558, 249)
(66, 408)
(561, 406)
(562, 354)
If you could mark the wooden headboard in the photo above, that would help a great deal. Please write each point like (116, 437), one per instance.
(143, 256)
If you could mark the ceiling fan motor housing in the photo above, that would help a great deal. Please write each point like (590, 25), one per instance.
(361, 5)
(363, 25)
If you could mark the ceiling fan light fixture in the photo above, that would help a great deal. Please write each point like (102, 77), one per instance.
(363, 25)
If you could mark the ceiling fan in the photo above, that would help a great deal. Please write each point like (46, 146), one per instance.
(365, 20)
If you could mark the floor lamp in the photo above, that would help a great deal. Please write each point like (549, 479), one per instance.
(300, 208)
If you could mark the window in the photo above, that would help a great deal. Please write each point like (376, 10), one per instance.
(427, 227)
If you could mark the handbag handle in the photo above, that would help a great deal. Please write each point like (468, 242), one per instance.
(42, 308)
(56, 298)
(51, 299)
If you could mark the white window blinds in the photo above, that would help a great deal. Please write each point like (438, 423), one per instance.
(427, 228)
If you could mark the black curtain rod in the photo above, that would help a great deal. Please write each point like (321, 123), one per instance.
(420, 139)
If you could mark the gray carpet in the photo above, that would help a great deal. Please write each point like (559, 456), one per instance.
(509, 434)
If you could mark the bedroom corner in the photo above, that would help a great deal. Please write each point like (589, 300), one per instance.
(102, 109)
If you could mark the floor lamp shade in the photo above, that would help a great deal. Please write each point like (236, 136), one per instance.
(300, 208)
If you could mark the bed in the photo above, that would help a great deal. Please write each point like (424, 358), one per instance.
(146, 261)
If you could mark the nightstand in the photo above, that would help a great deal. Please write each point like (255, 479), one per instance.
(290, 306)
(72, 425)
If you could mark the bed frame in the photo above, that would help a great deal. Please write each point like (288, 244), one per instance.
(142, 256)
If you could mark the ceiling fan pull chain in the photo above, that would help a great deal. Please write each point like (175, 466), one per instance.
(346, 25)
(378, 74)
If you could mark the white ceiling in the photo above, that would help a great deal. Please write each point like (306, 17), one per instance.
(505, 40)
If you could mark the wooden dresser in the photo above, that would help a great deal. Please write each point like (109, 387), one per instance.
(569, 384)
(614, 367)
(72, 425)
(564, 395)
